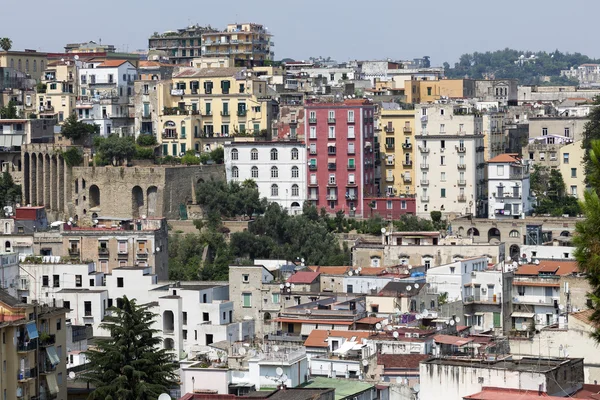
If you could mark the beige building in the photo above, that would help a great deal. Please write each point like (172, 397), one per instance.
(450, 167)
(240, 41)
(33, 336)
(569, 127)
(571, 168)
(62, 88)
(29, 62)
(201, 103)
(426, 91)
(397, 151)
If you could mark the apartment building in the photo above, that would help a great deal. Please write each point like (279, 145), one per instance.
(450, 169)
(62, 90)
(218, 102)
(278, 168)
(246, 41)
(508, 191)
(341, 160)
(495, 141)
(423, 91)
(30, 62)
(180, 46)
(568, 127)
(105, 88)
(571, 168)
(545, 150)
(33, 350)
(141, 242)
(397, 151)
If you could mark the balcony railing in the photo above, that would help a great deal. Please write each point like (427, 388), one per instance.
(424, 149)
(331, 166)
(406, 146)
(424, 181)
(495, 299)
(390, 146)
(332, 197)
(225, 114)
(407, 178)
(242, 113)
(350, 120)
(462, 166)
(74, 252)
(389, 178)
(47, 340)
(407, 163)
(312, 167)
(461, 182)
(207, 113)
(332, 184)
(407, 129)
(27, 346)
(462, 198)
(351, 166)
(424, 166)
(142, 253)
(312, 120)
(103, 251)
(331, 120)
(390, 163)
(389, 129)
(425, 198)
(351, 184)
(460, 149)
(313, 196)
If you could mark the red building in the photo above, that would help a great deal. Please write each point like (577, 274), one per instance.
(389, 207)
(341, 163)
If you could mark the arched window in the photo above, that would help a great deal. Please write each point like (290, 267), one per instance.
(254, 154)
(274, 172)
(294, 154)
(12, 63)
(20, 65)
(514, 234)
(255, 172)
(26, 65)
(234, 154)
(274, 155)
(34, 65)
(295, 190)
(295, 173)
(235, 172)
(274, 190)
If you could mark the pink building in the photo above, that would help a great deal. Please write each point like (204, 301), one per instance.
(390, 207)
(341, 163)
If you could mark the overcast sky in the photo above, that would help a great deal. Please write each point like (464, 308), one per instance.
(342, 29)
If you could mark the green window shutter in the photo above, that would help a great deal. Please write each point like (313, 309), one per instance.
(497, 320)
(175, 149)
(183, 147)
(256, 128)
(165, 149)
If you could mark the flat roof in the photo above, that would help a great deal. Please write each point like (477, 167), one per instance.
(540, 365)
(343, 387)
(81, 291)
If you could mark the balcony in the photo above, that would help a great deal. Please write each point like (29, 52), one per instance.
(508, 196)
(424, 149)
(494, 299)
(425, 199)
(207, 113)
(332, 184)
(24, 347)
(314, 183)
(123, 251)
(424, 166)
(242, 113)
(407, 129)
(461, 149)
(407, 178)
(461, 182)
(407, 146)
(390, 163)
(312, 167)
(46, 367)
(331, 120)
(142, 253)
(390, 146)
(177, 92)
(312, 120)
(351, 184)
(351, 166)
(407, 163)
(331, 166)
(225, 114)
(313, 196)
(350, 120)
(103, 252)
(462, 166)
(332, 197)
(351, 197)
(74, 252)
(47, 339)
(424, 181)
(351, 151)
(461, 198)
(26, 374)
(389, 129)
(389, 178)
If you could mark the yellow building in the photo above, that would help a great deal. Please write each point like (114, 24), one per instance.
(60, 78)
(28, 342)
(397, 151)
(242, 41)
(29, 62)
(426, 91)
(572, 170)
(220, 102)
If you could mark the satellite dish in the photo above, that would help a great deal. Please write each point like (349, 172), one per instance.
(72, 375)
(359, 269)
(378, 326)
(399, 381)
(365, 362)
(287, 284)
(157, 249)
(242, 351)
(292, 286)
(302, 260)
(252, 353)
(281, 286)
(389, 328)
(416, 285)
(96, 222)
(276, 348)
(417, 388)
(350, 273)
(425, 312)
(144, 216)
(284, 378)
(561, 307)
(529, 260)
(70, 219)
(452, 322)
(279, 371)
(76, 57)
(520, 262)
(457, 319)
(418, 316)
(408, 288)
(164, 396)
(410, 267)
(69, 223)
(383, 230)
(395, 334)
(537, 262)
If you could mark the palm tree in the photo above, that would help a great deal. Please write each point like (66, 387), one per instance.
(5, 44)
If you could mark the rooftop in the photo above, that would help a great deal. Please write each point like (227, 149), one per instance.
(583, 316)
(491, 393)
(206, 72)
(401, 361)
(318, 337)
(549, 267)
(533, 365)
(452, 340)
(286, 394)
(304, 277)
(505, 158)
(329, 270)
(112, 63)
(343, 387)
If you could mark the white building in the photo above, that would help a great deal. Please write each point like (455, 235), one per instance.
(450, 161)
(508, 187)
(105, 88)
(278, 168)
(452, 278)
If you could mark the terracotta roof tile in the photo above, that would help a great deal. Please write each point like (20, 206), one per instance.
(329, 270)
(584, 316)
(304, 277)
(369, 320)
(111, 63)
(560, 268)
(318, 337)
(493, 393)
(504, 158)
(402, 361)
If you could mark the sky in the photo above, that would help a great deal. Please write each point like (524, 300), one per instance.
(341, 29)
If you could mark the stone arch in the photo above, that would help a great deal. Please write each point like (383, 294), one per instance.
(168, 322)
(7, 246)
(26, 178)
(565, 234)
(94, 196)
(473, 232)
(267, 316)
(152, 200)
(514, 252)
(54, 182)
(137, 201)
(46, 185)
(169, 344)
(461, 231)
(494, 233)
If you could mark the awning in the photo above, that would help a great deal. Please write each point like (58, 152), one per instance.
(347, 346)
(8, 140)
(330, 144)
(52, 355)
(479, 313)
(306, 329)
(32, 331)
(522, 315)
(52, 385)
(331, 160)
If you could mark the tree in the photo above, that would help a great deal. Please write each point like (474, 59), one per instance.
(548, 186)
(76, 130)
(10, 111)
(146, 140)
(587, 239)
(218, 155)
(115, 149)
(130, 364)
(412, 223)
(10, 193)
(591, 132)
(190, 158)
(5, 44)
(73, 156)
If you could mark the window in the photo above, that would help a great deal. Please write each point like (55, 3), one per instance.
(205, 317)
(234, 154)
(275, 298)
(120, 282)
(442, 128)
(274, 190)
(514, 234)
(67, 305)
(351, 148)
(87, 305)
(331, 134)
(254, 154)
(247, 299)
(274, 155)
(274, 172)
(442, 160)
(565, 158)
(389, 205)
(331, 149)
(55, 280)
(500, 170)
(567, 132)
(351, 116)
(442, 176)
(442, 192)
(351, 134)
(403, 205)
(544, 131)
(255, 172)
(295, 172)
(295, 190)
(245, 278)
(235, 172)
(294, 154)
(45, 281)
(313, 132)
(573, 191)
(77, 280)
(573, 172)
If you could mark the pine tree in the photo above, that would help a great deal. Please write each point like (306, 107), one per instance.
(587, 239)
(130, 364)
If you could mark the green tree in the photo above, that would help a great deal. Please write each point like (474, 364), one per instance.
(115, 149)
(10, 193)
(73, 156)
(218, 155)
(591, 132)
(412, 223)
(146, 140)
(587, 239)
(77, 130)
(10, 111)
(548, 186)
(190, 158)
(5, 44)
(130, 364)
